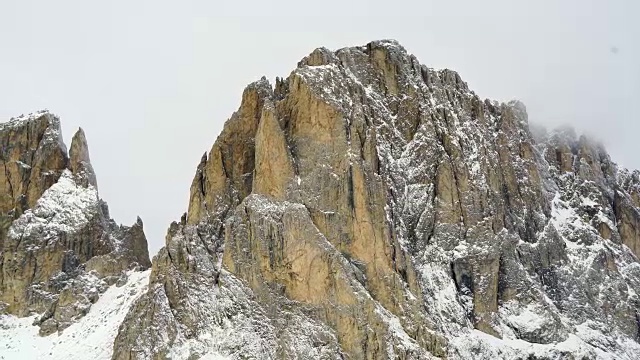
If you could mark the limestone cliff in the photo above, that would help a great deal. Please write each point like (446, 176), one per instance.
(59, 250)
(370, 207)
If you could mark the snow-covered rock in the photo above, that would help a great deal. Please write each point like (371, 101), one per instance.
(59, 250)
(90, 338)
(366, 207)
(370, 207)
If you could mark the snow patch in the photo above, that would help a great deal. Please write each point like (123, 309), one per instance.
(64, 207)
(90, 338)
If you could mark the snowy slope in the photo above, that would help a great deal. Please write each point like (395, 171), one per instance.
(90, 338)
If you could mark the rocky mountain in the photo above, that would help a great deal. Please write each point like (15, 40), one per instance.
(370, 207)
(59, 250)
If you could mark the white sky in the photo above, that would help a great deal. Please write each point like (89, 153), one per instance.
(152, 82)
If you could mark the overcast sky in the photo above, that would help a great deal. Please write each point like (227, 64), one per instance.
(152, 82)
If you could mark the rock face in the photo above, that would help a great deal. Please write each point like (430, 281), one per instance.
(369, 207)
(365, 207)
(59, 250)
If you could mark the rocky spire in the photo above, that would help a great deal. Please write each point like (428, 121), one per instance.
(59, 250)
(79, 161)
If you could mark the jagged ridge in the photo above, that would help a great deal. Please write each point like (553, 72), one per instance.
(59, 250)
(371, 207)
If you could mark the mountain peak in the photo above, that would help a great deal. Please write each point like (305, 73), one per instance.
(374, 207)
(366, 207)
(58, 248)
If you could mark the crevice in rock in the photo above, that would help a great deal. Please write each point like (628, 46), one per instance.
(502, 281)
(223, 164)
(637, 326)
(7, 175)
(201, 175)
(169, 256)
(350, 195)
(434, 198)
(415, 126)
(424, 73)
(454, 172)
(347, 129)
(35, 269)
